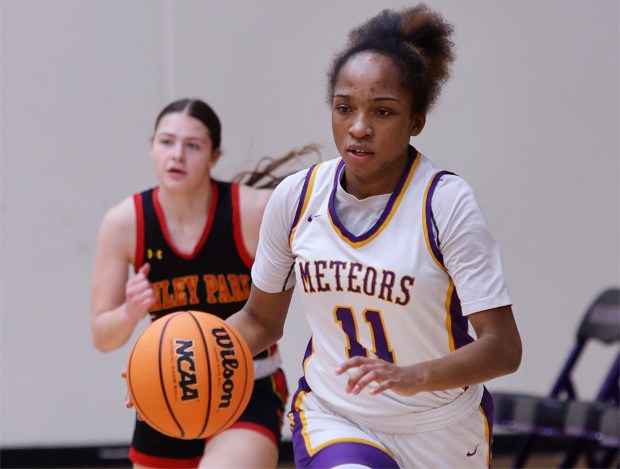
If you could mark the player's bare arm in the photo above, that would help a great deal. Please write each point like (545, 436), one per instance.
(261, 321)
(117, 303)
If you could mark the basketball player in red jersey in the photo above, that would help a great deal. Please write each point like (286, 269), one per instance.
(191, 242)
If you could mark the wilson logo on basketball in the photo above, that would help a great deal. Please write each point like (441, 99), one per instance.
(187, 369)
(229, 364)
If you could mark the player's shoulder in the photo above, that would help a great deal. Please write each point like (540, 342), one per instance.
(117, 232)
(447, 180)
(452, 185)
(121, 216)
(253, 197)
(449, 188)
(296, 181)
(252, 204)
(291, 185)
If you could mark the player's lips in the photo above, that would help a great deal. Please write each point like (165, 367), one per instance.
(359, 151)
(175, 171)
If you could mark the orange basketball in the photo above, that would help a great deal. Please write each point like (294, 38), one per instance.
(190, 375)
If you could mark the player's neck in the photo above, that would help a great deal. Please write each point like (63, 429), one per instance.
(185, 207)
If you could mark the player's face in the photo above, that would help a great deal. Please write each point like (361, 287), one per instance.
(182, 152)
(372, 123)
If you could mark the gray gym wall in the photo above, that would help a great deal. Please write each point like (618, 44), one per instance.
(530, 118)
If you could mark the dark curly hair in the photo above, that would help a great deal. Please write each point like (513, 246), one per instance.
(419, 43)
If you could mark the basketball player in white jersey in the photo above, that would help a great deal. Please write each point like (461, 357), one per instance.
(394, 262)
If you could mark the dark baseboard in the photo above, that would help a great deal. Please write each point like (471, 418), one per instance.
(65, 457)
(116, 456)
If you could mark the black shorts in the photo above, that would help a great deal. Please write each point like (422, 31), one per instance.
(263, 414)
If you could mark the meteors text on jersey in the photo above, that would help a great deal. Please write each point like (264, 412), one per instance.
(189, 290)
(343, 276)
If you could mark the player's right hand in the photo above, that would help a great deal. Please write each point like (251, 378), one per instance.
(128, 402)
(139, 294)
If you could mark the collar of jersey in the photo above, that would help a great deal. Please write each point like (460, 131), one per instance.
(357, 241)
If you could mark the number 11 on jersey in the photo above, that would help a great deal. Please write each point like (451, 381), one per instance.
(345, 316)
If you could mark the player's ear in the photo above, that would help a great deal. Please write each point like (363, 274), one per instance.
(215, 156)
(417, 124)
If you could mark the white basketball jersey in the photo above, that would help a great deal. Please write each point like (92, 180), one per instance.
(383, 293)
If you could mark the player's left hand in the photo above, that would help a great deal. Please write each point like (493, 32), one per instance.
(379, 375)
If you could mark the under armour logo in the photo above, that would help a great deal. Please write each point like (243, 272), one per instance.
(158, 254)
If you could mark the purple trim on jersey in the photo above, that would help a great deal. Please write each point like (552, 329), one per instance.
(302, 384)
(429, 216)
(488, 407)
(340, 453)
(302, 198)
(459, 323)
(386, 211)
(308, 351)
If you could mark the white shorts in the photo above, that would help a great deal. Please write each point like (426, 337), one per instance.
(322, 438)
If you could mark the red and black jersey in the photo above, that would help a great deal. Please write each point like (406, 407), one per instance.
(215, 278)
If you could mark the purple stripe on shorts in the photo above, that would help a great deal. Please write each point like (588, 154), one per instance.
(343, 453)
(302, 387)
(339, 452)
